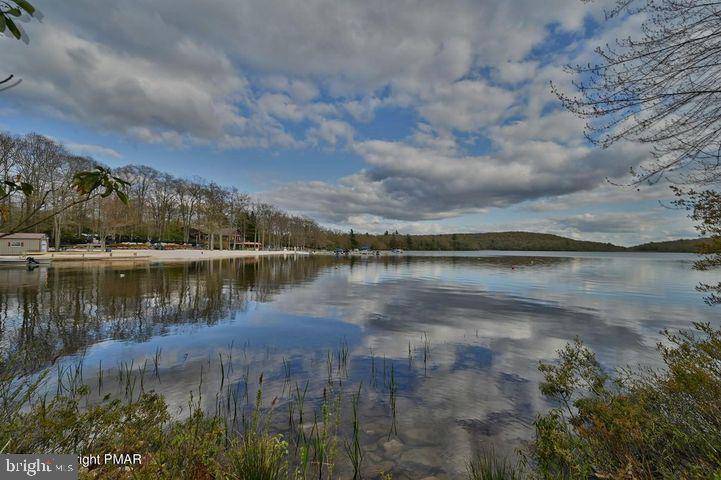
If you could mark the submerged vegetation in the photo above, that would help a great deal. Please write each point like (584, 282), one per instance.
(633, 424)
(199, 446)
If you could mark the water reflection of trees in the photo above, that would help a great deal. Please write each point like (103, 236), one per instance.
(497, 261)
(48, 313)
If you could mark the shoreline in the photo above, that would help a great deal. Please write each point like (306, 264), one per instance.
(139, 256)
(182, 255)
(154, 256)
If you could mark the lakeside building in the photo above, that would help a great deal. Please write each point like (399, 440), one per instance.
(23, 243)
(223, 239)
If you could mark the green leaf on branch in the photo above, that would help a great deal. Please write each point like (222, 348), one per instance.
(25, 6)
(13, 28)
(12, 186)
(122, 196)
(87, 183)
(22, 6)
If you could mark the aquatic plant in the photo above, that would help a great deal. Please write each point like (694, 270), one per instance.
(373, 367)
(197, 447)
(222, 371)
(100, 376)
(410, 356)
(353, 447)
(487, 465)
(426, 352)
(258, 455)
(156, 362)
(392, 393)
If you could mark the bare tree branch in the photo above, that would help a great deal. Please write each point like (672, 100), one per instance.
(661, 87)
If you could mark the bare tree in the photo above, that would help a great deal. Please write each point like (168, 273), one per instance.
(74, 197)
(42, 181)
(189, 195)
(661, 87)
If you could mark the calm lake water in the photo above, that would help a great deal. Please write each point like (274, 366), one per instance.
(445, 346)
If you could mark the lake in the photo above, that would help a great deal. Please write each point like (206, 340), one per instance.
(443, 346)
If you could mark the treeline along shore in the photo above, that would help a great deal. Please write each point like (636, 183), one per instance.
(514, 241)
(165, 208)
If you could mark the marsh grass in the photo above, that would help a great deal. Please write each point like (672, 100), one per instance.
(201, 446)
(487, 465)
(256, 454)
(426, 353)
(392, 394)
(353, 447)
(156, 362)
(233, 442)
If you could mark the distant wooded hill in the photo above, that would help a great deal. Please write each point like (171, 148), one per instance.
(695, 245)
(520, 241)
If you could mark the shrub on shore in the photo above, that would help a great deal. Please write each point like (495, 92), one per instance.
(185, 449)
(638, 424)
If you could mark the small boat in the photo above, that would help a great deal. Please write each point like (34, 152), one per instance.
(24, 260)
(397, 251)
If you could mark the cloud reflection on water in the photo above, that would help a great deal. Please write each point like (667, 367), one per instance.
(487, 322)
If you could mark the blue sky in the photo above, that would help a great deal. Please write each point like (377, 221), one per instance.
(417, 116)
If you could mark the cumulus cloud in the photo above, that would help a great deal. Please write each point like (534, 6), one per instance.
(233, 73)
(471, 79)
(331, 132)
(515, 72)
(626, 228)
(467, 105)
(607, 194)
(609, 222)
(427, 177)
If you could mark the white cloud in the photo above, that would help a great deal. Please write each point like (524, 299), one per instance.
(281, 74)
(169, 71)
(466, 105)
(331, 132)
(97, 151)
(515, 72)
(432, 179)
